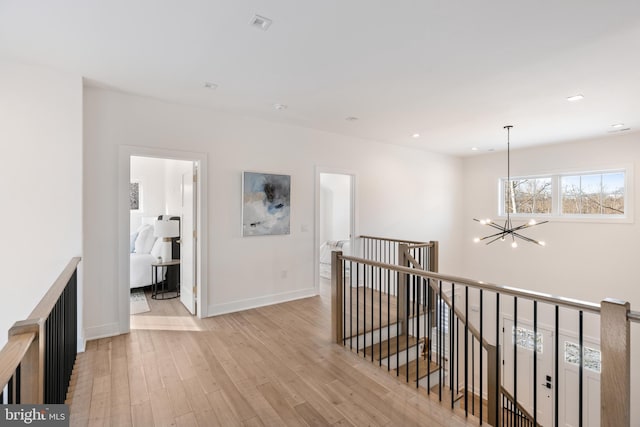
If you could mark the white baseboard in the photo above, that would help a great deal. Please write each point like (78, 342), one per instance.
(246, 304)
(102, 331)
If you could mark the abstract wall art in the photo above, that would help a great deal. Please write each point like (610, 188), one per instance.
(134, 196)
(266, 204)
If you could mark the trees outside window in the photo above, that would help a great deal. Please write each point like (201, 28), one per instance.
(586, 195)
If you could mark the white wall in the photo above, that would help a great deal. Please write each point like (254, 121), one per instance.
(150, 173)
(160, 187)
(335, 207)
(40, 184)
(399, 193)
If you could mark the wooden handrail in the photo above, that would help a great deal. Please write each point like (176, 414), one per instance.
(44, 307)
(448, 301)
(386, 239)
(505, 290)
(517, 404)
(12, 354)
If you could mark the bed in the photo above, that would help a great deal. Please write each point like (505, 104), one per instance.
(145, 248)
(325, 255)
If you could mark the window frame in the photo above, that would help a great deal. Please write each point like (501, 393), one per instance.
(556, 197)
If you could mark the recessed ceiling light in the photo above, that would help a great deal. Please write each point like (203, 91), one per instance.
(260, 22)
(279, 106)
(575, 98)
(210, 85)
(619, 130)
(351, 119)
(617, 125)
(415, 135)
(474, 148)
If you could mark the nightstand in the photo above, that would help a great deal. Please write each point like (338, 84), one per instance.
(164, 290)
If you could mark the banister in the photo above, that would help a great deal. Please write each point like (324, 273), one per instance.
(43, 346)
(517, 404)
(505, 290)
(615, 318)
(386, 239)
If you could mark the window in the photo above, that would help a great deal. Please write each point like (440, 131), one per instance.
(523, 338)
(589, 195)
(593, 194)
(528, 195)
(591, 357)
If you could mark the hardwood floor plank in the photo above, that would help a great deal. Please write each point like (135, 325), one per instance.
(222, 409)
(312, 417)
(278, 403)
(207, 418)
(187, 420)
(163, 414)
(120, 416)
(142, 414)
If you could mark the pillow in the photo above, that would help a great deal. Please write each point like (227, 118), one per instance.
(145, 240)
(132, 241)
(156, 250)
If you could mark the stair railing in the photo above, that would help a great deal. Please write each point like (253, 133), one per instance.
(37, 361)
(441, 303)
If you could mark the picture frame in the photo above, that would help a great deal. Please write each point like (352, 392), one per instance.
(266, 204)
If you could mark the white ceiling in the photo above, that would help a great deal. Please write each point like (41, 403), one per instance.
(453, 71)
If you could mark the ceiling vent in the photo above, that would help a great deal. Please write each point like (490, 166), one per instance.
(260, 22)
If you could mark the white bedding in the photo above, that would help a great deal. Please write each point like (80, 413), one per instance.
(140, 270)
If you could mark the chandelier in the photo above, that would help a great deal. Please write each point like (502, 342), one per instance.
(508, 230)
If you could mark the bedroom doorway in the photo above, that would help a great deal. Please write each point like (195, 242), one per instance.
(335, 220)
(162, 192)
(166, 186)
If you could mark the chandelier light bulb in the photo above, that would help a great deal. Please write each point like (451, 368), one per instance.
(476, 239)
(532, 222)
(483, 222)
(514, 244)
(542, 243)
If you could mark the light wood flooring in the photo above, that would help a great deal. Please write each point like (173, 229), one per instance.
(271, 366)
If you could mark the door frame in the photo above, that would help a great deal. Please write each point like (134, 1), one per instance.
(353, 220)
(124, 173)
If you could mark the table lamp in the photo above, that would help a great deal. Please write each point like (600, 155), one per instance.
(166, 230)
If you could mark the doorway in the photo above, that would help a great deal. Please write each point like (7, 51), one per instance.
(168, 186)
(522, 338)
(335, 220)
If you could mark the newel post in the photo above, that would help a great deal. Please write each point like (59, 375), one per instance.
(493, 387)
(433, 256)
(337, 292)
(403, 300)
(615, 377)
(32, 365)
